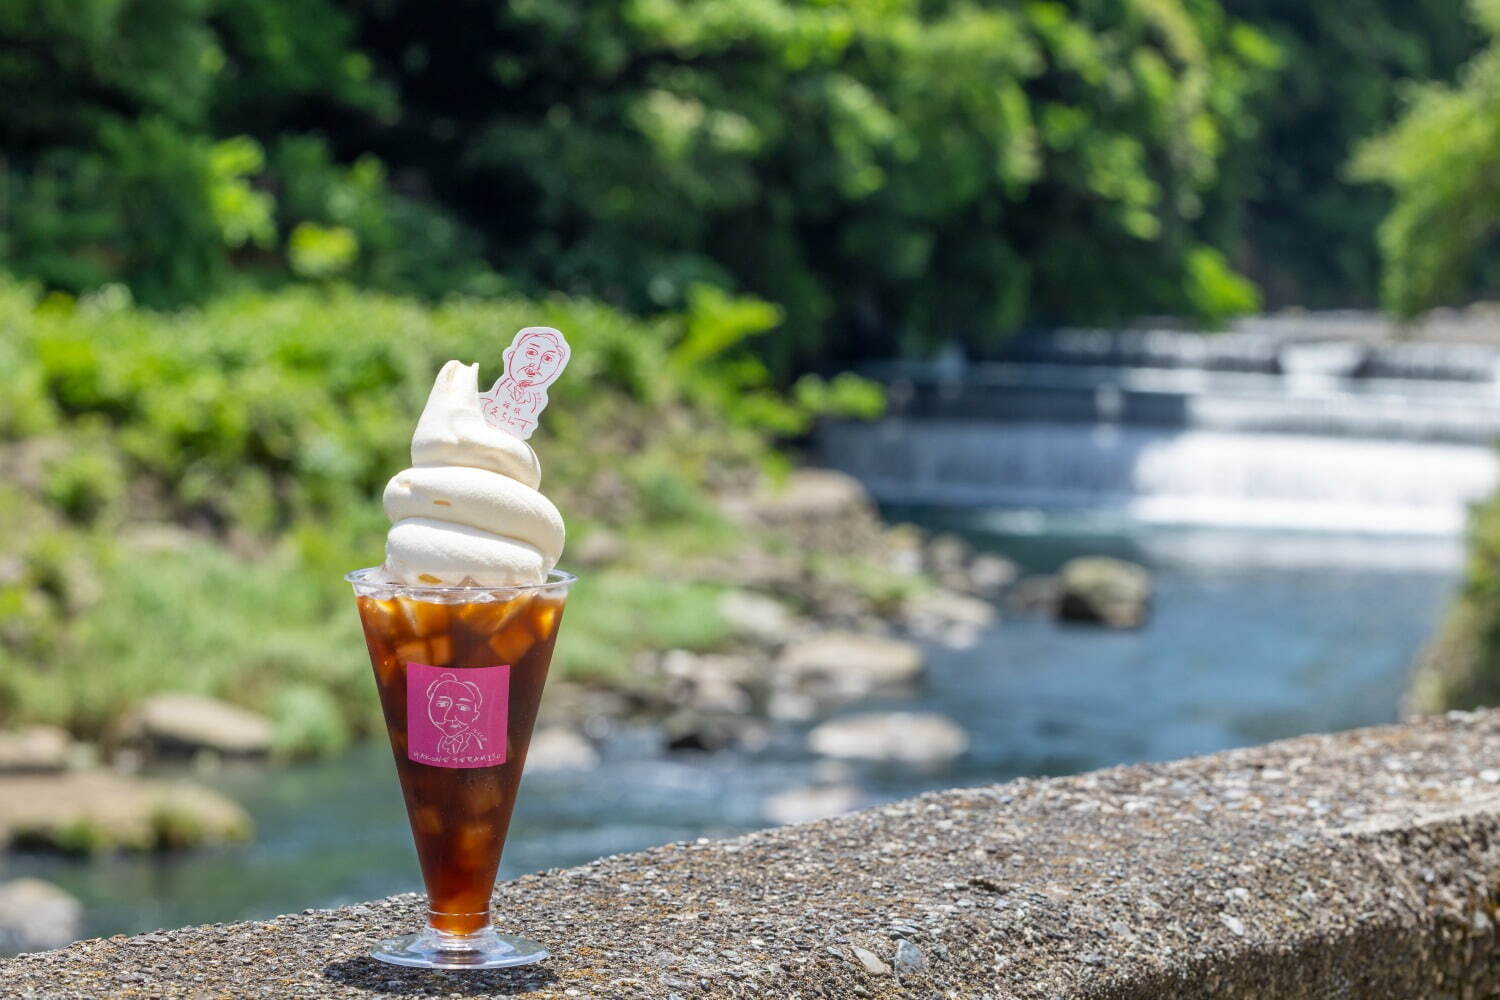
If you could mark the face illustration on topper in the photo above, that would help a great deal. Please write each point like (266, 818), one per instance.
(453, 707)
(537, 356)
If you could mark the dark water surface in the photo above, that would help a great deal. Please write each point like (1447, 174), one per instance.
(1255, 636)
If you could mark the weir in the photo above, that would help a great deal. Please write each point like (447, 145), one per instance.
(1257, 428)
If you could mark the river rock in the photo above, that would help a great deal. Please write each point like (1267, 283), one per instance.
(188, 723)
(903, 549)
(814, 802)
(945, 557)
(789, 706)
(1103, 591)
(589, 708)
(755, 617)
(989, 574)
(897, 737)
(949, 617)
(1034, 594)
(951, 561)
(84, 811)
(710, 683)
(37, 915)
(35, 750)
(846, 666)
(558, 748)
(687, 730)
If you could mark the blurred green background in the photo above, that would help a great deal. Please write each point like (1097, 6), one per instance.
(891, 173)
(242, 234)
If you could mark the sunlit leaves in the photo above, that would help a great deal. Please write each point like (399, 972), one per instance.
(1440, 160)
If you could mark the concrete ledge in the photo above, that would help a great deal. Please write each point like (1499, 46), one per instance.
(1360, 865)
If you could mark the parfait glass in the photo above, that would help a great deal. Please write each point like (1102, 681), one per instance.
(460, 672)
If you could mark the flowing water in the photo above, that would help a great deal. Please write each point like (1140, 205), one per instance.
(1256, 635)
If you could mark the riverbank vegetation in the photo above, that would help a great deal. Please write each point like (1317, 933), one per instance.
(182, 492)
(1439, 161)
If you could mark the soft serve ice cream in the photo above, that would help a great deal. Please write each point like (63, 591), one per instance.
(468, 511)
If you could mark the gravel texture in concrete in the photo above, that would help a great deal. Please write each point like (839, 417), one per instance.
(1359, 865)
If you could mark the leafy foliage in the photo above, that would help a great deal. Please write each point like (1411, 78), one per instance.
(184, 492)
(1298, 226)
(1439, 161)
(1460, 668)
(891, 173)
(896, 172)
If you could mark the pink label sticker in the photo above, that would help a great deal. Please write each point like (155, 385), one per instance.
(457, 717)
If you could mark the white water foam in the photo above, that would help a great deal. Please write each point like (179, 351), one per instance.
(1161, 475)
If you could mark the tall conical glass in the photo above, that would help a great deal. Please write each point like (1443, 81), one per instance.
(460, 672)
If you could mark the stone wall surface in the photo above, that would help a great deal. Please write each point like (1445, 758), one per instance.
(1359, 865)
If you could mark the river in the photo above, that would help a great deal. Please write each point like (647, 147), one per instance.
(1256, 635)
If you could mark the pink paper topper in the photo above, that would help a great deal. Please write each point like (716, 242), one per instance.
(537, 355)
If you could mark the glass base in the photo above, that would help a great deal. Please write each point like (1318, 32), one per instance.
(434, 949)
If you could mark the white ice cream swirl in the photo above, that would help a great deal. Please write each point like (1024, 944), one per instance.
(468, 509)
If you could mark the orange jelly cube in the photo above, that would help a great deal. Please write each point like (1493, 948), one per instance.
(510, 645)
(414, 651)
(485, 618)
(544, 618)
(381, 615)
(424, 619)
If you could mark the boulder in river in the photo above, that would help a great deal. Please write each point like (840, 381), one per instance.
(37, 916)
(710, 683)
(920, 738)
(946, 616)
(709, 733)
(97, 810)
(951, 561)
(187, 723)
(35, 750)
(558, 748)
(989, 574)
(1103, 591)
(1033, 594)
(846, 666)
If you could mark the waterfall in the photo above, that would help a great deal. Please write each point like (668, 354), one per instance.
(1161, 475)
(1247, 429)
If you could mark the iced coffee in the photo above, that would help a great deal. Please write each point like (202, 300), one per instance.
(460, 621)
(460, 681)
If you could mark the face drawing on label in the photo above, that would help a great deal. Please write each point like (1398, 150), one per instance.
(536, 359)
(453, 707)
(537, 356)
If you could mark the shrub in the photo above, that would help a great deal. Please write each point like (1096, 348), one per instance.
(201, 481)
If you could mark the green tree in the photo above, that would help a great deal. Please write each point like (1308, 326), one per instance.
(1297, 226)
(1440, 163)
(892, 172)
(128, 138)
